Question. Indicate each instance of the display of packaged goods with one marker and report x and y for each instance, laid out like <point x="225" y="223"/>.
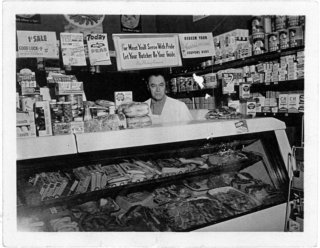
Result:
<point x="251" y="108"/>
<point x="68" y="87"/>
<point x="27" y="131"/>
<point x="43" y="118"/>
<point x="172" y="166"/>
<point x="244" y="91"/>
<point x="283" y="39"/>
<point x="259" y="103"/>
<point x="139" y="122"/>
<point x="223" y="113"/>
<point x="61" y="128"/>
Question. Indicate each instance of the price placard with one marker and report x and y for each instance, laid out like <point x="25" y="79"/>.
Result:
<point x="37" y="44"/>
<point x="145" y="51"/>
<point x="196" y="45"/>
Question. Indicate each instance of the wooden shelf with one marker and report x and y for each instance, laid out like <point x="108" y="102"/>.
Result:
<point x="242" y="62"/>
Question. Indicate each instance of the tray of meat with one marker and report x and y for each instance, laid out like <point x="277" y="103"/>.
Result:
<point x="234" y="199"/>
<point x="99" y="222"/>
<point x="183" y="215"/>
<point x="170" y="193"/>
<point x="226" y="158"/>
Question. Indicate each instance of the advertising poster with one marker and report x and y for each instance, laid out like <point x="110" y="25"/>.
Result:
<point x="98" y="49"/>
<point x="72" y="49"/>
<point x="146" y="51"/>
<point x="37" y="44"/>
<point x="196" y="45"/>
<point x="228" y="83"/>
<point x="130" y="23"/>
<point x="85" y="24"/>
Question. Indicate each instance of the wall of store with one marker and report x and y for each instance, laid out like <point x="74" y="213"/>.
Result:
<point x="102" y="85"/>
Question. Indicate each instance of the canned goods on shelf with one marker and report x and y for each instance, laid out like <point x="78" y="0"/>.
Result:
<point x="258" y="46"/>
<point x="258" y="36"/>
<point x="283" y="39"/>
<point x="257" y="25"/>
<point x="295" y="36"/>
<point x="273" y="41"/>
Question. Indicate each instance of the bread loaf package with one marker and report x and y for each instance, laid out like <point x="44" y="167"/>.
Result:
<point x="134" y="109"/>
<point x="139" y="122"/>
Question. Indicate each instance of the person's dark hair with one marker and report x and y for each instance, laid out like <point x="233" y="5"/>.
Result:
<point x="155" y="73"/>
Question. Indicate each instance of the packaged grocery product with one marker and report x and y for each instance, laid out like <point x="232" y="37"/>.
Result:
<point x="293" y="103"/>
<point x="43" y="118"/>
<point x="61" y="128"/>
<point x="283" y="103"/>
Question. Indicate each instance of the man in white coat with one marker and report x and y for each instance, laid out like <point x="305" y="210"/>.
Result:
<point x="162" y="108"/>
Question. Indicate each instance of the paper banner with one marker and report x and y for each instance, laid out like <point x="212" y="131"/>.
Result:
<point x="37" y="44"/>
<point x="98" y="49"/>
<point x="72" y="49"/>
<point x="145" y="51"/>
<point x="196" y="45"/>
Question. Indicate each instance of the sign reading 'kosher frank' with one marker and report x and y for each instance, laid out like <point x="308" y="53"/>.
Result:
<point x="145" y="51"/>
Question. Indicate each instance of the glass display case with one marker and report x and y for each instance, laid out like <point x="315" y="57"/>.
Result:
<point x="201" y="176"/>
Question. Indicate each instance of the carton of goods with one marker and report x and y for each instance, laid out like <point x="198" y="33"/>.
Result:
<point x="283" y="103"/>
<point x="43" y="118"/>
<point x="66" y="88"/>
<point x="259" y="103"/>
<point x="77" y="126"/>
<point x="26" y="131"/>
<point x="251" y="108"/>
<point x="235" y="105"/>
<point x="25" y="118"/>
<point x="293" y="103"/>
<point x="61" y="128"/>
<point x="122" y="97"/>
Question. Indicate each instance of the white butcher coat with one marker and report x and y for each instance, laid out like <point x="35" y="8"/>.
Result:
<point x="173" y="111"/>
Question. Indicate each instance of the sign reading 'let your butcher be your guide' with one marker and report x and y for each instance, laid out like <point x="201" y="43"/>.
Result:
<point x="143" y="51"/>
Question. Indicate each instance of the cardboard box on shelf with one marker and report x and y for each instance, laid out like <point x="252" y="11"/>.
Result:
<point x="283" y="103"/>
<point x="293" y="103"/>
<point x="25" y="118"/>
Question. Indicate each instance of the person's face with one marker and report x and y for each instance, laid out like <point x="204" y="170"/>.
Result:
<point x="157" y="86"/>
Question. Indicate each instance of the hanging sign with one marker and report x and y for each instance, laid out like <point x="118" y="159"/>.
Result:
<point x="228" y="83"/>
<point x="72" y="49"/>
<point x="32" y="19"/>
<point x="130" y="23"/>
<point x="196" y="45"/>
<point x="145" y="51"/>
<point x="98" y="49"/>
<point x="37" y="44"/>
<point x="85" y="24"/>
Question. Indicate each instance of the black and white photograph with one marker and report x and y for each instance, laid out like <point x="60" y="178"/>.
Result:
<point x="160" y="124"/>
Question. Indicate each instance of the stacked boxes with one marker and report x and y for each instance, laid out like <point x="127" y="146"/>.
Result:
<point x="25" y="125"/>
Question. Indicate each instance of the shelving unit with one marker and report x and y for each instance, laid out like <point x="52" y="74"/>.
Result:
<point x="242" y="62"/>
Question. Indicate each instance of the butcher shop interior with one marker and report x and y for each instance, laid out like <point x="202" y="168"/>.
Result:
<point x="160" y="123"/>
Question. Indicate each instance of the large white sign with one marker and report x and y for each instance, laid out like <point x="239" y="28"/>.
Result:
<point x="72" y="49"/>
<point x="98" y="49"/>
<point x="145" y="51"/>
<point x="196" y="45"/>
<point x="37" y="44"/>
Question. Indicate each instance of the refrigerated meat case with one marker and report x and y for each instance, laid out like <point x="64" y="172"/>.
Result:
<point x="212" y="176"/>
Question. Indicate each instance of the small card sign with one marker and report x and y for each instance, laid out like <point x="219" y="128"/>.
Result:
<point x="241" y="126"/>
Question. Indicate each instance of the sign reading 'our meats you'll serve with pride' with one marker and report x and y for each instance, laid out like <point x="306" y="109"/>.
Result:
<point x="37" y="44"/>
<point x="196" y="45"/>
<point x="145" y="51"/>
